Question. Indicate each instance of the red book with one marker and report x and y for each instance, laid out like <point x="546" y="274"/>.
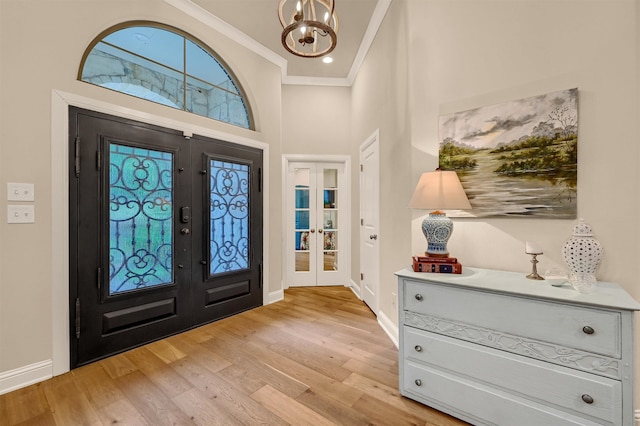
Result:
<point x="442" y="268"/>
<point x="433" y="259"/>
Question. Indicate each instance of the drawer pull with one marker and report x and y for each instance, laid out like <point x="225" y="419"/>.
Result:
<point x="588" y="330"/>
<point x="587" y="398"/>
<point x="418" y="348"/>
<point x="418" y="382"/>
<point x="418" y="296"/>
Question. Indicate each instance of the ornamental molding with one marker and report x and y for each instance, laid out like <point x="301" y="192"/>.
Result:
<point x="545" y="351"/>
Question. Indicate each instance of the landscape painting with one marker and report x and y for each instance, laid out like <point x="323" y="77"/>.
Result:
<point x="516" y="159"/>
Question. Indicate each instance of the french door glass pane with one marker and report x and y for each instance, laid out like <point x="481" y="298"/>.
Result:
<point x="229" y="217"/>
<point x="140" y="218"/>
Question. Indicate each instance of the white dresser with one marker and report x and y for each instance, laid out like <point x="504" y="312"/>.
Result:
<point x="494" y="348"/>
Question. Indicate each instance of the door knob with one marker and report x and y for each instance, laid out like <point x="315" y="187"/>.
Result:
<point x="319" y="231"/>
<point x="185" y="231"/>
<point x="373" y="237"/>
<point x="313" y="231"/>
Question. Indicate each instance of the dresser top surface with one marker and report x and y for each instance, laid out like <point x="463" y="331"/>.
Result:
<point x="607" y="294"/>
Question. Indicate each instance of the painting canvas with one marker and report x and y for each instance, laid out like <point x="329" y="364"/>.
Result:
<point x="516" y="159"/>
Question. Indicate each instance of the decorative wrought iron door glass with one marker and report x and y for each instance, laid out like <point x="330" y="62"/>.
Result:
<point x="229" y="217"/>
<point x="140" y="218"/>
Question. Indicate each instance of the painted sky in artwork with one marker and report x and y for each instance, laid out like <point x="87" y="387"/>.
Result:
<point x="492" y="125"/>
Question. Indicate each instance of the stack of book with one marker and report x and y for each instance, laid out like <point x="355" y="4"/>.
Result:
<point x="444" y="265"/>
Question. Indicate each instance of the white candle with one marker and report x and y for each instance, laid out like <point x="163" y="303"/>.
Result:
<point x="532" y="248"/>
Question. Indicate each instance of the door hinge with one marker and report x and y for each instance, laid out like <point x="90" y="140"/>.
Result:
<point x="260" y="278"/>
<point x="99" y="278"/>
<point x="99" y="160"/>
<point x="77" y="156"/>
<point x="259" y="179"/>
<point x="361" y="222"/>
<point x="362" y="167"/>
<point x="77" y="318"/>
<point x="361" y="276"/>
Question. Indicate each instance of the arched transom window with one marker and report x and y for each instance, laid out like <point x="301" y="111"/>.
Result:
<point x="165" y="65"/>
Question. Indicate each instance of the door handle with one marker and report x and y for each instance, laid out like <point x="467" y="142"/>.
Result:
<point x="373" y="237"/>
<point x="185" y="231"/>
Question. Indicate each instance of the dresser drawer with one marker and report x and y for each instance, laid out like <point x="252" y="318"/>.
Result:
<point x="591" y="330"/>
<point x="541" y="382"/>
<point x="479" y="403"/>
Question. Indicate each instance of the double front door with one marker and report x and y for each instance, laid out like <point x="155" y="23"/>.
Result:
<point x="165" y="232"/>
<point x="317" y="224"/>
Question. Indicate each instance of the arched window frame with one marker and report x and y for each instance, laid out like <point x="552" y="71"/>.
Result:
<point x="185" y="76"/>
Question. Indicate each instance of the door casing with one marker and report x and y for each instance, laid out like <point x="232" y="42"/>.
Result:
<point x="345" y="243"/>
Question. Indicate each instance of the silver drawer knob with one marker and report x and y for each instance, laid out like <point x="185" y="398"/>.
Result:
<point x="588" y="330"/>
<point x="418" y="382"/>
<point x="418" y="296"/>
<point x="418" y="348"/>
<point x="587" y="398"/>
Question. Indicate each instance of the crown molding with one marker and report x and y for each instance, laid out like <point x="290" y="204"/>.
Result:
<point x="198" y="13"/>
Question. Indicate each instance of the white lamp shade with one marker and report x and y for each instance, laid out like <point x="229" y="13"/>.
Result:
<point x="439" y="190"/>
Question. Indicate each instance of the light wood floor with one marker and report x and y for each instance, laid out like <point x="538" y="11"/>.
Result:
<point x="317" y="358"/>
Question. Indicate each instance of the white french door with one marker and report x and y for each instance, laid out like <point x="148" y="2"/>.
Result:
<point x="317" y="224"/>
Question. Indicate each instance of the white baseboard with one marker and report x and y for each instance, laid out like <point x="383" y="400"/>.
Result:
<point x="637" y="417"/>
<point x="24" y="376"/>
<point x="355" y="288"/>
<point x="275" y="296"/>
<point x="389" y="327"/>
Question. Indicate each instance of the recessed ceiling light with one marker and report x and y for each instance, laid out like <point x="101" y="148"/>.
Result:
<point x="327" y="59"/>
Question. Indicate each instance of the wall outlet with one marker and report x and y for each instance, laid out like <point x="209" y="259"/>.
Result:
<point x="21" y="192"/>
<point x="21" y="214"/>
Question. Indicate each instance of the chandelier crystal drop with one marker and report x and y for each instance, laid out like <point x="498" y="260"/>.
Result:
<point x="303" y="33"/>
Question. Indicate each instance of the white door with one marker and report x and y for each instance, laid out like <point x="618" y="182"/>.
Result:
<point x="370" y="222"/>
<point x="317" y="224"/>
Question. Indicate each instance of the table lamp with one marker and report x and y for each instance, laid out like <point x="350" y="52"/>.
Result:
<point x="435" y="191"/>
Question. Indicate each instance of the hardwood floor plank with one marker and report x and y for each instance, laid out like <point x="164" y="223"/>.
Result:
<point x="162" y="375"/>
<point x="118" y="365"/>
<point x="288" y="409"/>
<point x="72" y="407"/>
<point x="24" y="404"/>
<point x="150" y="401"/>
<point x="97" y="385"/>
<point x="203" y="411"/>
<point x="121" y="412"/>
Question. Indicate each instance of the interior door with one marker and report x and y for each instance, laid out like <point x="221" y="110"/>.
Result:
<point x="370" y="223"/>
<point x="316" y="225"/>
<point x="165" y="233"/>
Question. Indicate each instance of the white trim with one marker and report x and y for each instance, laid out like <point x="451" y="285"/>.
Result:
<point x="355" y="288"/>
<point x="198" y="13"/>
<point x="60" y="102"/>
<point x="374" y="25"/>
<point x="24" y="376"/>
<point x="276" y="296"/>
<point x="389" y="327"/>
<point x="637" y="417"/>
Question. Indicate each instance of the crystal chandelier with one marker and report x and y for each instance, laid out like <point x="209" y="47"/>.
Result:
<point x="303" y="34"/>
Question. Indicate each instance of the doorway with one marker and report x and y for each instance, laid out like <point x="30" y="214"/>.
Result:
<point x="165" y="232"/>
<point x="317" y="224"/>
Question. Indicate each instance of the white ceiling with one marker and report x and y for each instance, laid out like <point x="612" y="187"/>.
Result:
<point x="255" y="24"/>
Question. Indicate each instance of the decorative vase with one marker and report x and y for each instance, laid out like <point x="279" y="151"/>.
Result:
<point x="582" y="253"/>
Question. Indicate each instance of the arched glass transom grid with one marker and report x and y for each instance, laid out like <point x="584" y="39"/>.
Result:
<point x="140" y="218"/>
<point x="229" y="217"/>
<point x="164" y="65"/>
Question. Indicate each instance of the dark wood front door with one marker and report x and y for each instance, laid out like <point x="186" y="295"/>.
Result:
<point x="165" y="232"/>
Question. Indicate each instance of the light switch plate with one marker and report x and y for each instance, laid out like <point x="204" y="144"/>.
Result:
<point x="21" y="191"/>
<point x="21" y="214"/>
